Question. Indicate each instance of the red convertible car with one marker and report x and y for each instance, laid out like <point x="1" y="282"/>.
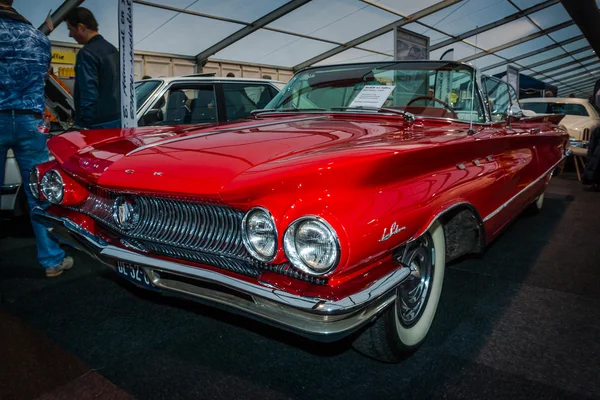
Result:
<point x="332" y="213"/>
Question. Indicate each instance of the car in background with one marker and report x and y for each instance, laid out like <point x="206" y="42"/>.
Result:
<point x="331" y="213"/>
<point x="581" y="118"/>
<point x="195" y="99"/>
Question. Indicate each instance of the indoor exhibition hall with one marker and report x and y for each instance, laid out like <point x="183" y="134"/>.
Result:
<point x="299" y="199"/>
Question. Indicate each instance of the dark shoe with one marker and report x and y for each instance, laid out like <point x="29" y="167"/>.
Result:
<point x="592" y="188"/>
<point x="66" y="263"/>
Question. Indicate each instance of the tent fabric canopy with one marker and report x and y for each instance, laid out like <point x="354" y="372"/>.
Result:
<point x="536" y="36"/>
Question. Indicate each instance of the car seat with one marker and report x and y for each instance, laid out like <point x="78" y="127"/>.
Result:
<point x="176" y="111"/>
<point x="200" y="110"/>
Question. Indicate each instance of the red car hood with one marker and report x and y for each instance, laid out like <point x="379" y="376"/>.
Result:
<point x="200" y="161"/>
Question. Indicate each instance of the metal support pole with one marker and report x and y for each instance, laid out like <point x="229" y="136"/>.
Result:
<point x="60" y="14"/>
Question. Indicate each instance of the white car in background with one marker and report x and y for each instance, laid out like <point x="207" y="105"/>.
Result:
<point x="581" y="118"/>
<point x="194" y="99"/>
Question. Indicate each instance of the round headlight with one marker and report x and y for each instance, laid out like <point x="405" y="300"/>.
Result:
<point x="34" y="185"/>
<point x="53" y="187"/>
<point x="312" y="245"/>
<point x="259" y="234"/>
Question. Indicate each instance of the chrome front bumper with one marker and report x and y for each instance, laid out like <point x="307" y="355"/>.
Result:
<point x="319" y="319"/>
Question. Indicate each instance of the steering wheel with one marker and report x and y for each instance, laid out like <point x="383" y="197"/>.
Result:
<point x="446" y="105"/>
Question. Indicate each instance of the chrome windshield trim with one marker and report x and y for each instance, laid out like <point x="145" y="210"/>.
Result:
<point x="503" y="206"/>
<point x="237" y="128"/>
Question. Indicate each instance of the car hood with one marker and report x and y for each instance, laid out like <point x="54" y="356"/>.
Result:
<point x="576" y="121"/>
<point x="576" y="124"/>
<point x="201" y="161"/>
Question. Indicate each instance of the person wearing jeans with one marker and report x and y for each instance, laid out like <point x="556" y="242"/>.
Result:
<point x="24" y="60"/>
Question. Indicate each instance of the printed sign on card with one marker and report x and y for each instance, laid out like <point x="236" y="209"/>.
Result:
<point x="372" y="96"/>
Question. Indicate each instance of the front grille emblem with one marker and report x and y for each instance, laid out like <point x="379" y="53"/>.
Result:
<point x="126" y="213"/>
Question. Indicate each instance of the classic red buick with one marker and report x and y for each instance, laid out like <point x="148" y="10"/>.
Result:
<point x="332" y="213"/>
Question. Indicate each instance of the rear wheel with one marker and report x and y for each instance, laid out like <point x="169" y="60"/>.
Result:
<point x="403" y="327"/>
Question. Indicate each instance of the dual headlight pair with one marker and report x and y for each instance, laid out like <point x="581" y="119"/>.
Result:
<point x="52" y="185"/>
<point x="310" y="242"/>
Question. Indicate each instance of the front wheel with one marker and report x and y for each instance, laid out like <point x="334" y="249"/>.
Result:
<point x="403" y="327"/>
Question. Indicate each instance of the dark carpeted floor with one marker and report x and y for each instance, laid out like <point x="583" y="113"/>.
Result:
<point x="521" y="321"/>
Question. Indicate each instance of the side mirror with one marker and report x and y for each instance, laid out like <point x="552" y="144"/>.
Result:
<point x="513" y="112"/>
<point x="152" y="117"/>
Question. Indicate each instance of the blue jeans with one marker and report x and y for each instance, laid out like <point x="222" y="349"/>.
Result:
<point x="19" y="133"/>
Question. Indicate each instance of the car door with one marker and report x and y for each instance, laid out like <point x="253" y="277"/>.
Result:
<point x="241" y="98"/>
<point x="517" y="153"/>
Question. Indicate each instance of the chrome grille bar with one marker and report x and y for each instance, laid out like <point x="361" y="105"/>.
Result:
<point x="205" y="233"/>
<point x="198" y="227"/>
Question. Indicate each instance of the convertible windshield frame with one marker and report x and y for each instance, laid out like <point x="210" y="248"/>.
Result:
<point x="465" y="103"/>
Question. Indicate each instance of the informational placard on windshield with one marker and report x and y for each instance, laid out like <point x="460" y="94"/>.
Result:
<point x="372" y="96"/>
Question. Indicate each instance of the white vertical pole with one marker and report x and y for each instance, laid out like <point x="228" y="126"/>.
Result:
<point x="128" y="105"/>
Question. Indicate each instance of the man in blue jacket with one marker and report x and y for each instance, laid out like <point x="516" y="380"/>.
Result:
<point x="24" y="59"/>
<point x="97" y="97"/>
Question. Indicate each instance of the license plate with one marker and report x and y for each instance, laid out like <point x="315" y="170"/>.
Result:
<point x="134" y="273"/>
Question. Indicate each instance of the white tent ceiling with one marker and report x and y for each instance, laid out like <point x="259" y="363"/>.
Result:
<point x="536" y="36"/>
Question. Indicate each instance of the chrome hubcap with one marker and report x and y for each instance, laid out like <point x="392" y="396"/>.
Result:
<point x="414" y="292"/>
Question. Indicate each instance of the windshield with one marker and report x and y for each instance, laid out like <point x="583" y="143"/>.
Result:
<point x="143" y="90"/>
<point x="434" y="89"/>
<point x="556" y="108"/>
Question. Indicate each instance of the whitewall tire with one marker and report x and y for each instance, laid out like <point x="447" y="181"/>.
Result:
<point x="403" y="327"/>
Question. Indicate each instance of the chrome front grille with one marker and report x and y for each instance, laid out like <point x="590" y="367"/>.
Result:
<point x="208" y="228"/>
<point x="231" y="264"/>
<point x="209" y="234"/>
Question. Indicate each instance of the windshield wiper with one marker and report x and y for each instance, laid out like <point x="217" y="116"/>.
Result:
<point x="408" y="117"/>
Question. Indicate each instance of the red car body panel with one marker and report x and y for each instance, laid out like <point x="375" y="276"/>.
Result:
<point x="365" y="175"/>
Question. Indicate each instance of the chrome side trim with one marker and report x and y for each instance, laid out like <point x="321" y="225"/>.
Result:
<point x="238" y="128"/>
<point x="503" y="206"/>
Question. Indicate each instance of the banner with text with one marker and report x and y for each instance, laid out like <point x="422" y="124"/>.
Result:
<point x="128" y="106"/>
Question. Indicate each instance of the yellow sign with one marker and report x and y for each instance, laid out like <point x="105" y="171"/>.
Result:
<point x="63" y="57"/>
<point x="66" y="72"/>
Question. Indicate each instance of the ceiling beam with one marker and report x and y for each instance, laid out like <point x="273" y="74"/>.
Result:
<point x="555" y="67"/>
<point x="60" y="14"/>
<point x="378" y="32"/>
<point x="495" y="24"/>
<point x="536" y="52"/>
<point x="569" y="79"/>
<point x="584" y="82"/>
<point x="233" y="21"/>
<point x="581" y="75"/>
<point x="559" y="57"/>
<point x="519" y="41"/>
<point x="582" y="86"/>
<point x="248" y="29"/>
<point x="243" y="23"/>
